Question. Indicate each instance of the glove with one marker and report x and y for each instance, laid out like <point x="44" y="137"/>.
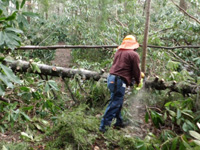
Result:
<point x="142" y="75"/>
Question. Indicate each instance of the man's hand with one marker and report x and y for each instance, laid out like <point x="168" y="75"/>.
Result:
<point x="142" y="75"/>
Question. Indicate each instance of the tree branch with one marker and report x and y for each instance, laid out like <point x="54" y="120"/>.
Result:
<point x="97" y="46"/>
<point x="161" y="31"/>
<point x="8" y="101"/>
<point x="70" y="91"/>
<point x="183" y="61"/>
<point x="4" y="100"/>
<point x="186" y="12"/>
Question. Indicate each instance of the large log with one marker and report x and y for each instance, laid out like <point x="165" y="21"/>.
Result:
<point x="182" y="87"/>
<point x="24" y="66"/>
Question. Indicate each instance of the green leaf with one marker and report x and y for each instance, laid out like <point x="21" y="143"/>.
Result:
<point x="22" y="4"/>
<point x="29" y="14"/>
<point x="25" y="89"/>
<point x="11" y="40"/>
<point x="22" y="20"/>
<point x="35" y="68"/>
<point x="13" y="37"/>
<point x="174" y="143"/>
<point x="12" y="17"/>
<point x="27" y="108"/>
<point x="198" y="125"/>
<point x="26" y="135"/>
<point x="168" y="104"/>
<point x="25" y="116"/>
<point x="47" y="88"/>
<point x="39" y="127"/>
<point x="146" y="117"/>
<point x="185" y="127"/>
<point x="1" y="91"/>
<point x="178" y="114"/>
<point x="53" y="85"/>
<point x="1" y="58"/>
<point x="11" y="76"/>
<point x="4" y="148"/>
<point x="195" y="134"/>
<point x="2" y="18"/>
<point x="2" y="40"/>
<point x="17" y="5"/>
<point x="14" y="30"/>
<point x="6" y="81"/>
<point x="186" y="112"/>
<point x="196" y="142"/>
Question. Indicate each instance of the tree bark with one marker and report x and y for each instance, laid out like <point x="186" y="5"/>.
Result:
<point x="183" y="4"/>
<point x="46" y="15"/>
<point x="98" y="46"/>
<point x="29" y="3"/>
<point x="146" y="35"/>
<point x="24" y="66"/>
<point x="184" y="88"/>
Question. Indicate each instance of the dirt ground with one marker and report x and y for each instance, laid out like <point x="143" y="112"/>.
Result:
<point x="62" y="57"/>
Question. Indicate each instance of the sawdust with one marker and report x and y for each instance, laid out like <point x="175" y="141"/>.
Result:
<point x="136" y="111"/>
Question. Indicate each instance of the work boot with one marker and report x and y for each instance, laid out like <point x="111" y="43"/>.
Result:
<point x="122" y="125"/>
<point x="102" y="130"/>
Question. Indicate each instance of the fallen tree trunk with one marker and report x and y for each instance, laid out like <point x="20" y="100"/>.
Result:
<point x="184" y="88"/>
<point x="24" y="66"/>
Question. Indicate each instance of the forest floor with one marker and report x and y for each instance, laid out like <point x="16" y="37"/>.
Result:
<point x="135" y="109"/>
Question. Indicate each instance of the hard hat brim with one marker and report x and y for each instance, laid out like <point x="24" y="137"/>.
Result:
<point x="129" y="45"/>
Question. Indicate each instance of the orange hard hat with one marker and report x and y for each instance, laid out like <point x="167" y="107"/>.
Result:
<point x="129" y="42"/>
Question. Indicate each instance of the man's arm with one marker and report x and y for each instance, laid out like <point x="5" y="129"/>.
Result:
<point x="136" y="69"/>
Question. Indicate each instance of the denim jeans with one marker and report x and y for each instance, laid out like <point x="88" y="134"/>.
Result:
<point x="113" y="109"/>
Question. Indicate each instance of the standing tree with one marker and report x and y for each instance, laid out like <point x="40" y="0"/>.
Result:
<point x="183" y="4"/>
<point x="146" y="35"/>
<point x="29" y="7"/>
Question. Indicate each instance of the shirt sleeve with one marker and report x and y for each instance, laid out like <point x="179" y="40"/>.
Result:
<point x="136" y="73"/>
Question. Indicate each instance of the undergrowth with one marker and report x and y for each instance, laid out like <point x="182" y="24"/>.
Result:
<point x="73" y="129"/>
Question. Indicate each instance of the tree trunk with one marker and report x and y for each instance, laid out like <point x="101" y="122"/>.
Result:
<point x="184" y="88"/>
<point x="46" y="15"/>
<point x="183" y="4"/>
<point x="146" y="35"/>
<point x="24" y="66"/>
<point x="29" y="3"/>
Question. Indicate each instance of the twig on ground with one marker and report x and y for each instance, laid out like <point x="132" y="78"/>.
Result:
<point x="70" y="91"/>
<point x="79" y="84"/>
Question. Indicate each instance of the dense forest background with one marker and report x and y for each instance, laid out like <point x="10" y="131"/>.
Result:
<point x="38" y="111"/>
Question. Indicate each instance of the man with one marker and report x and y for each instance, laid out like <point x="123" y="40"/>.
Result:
<point x="124" y="69"/>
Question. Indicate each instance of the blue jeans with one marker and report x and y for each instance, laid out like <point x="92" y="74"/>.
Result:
<point x="113" y="109"/>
